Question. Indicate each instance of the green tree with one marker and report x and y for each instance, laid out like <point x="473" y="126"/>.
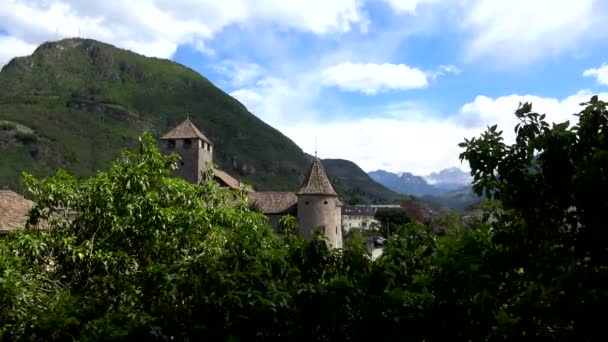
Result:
<point x="391" y="219"/>
<point x="549" y="233"/>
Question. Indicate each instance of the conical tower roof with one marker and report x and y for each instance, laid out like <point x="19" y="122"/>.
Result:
<point x="316" y="181"/>
<point x="186" y="130"/>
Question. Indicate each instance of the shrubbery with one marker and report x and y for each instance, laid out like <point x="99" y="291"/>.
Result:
<point x="151" y="257"/>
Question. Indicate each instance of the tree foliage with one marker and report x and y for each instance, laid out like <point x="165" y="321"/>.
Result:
<point x="148" y="256"/>
<point x="391" y="219"/>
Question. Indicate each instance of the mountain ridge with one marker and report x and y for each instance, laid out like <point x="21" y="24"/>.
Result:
<point x="451" y="187"/>
<point x="75" y="103"/>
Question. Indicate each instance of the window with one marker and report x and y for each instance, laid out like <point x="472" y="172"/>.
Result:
<point x="187" y="143"/>
<point x="306" y="202"/>
<point x="171" y="144"/>
<point x="336" y="230"/>
<point x="325" y="202"/>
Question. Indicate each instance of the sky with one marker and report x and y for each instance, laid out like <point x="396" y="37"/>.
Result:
<point x="388" y="84"/>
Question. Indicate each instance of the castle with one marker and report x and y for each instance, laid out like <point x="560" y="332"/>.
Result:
<point x="315" y="205"/>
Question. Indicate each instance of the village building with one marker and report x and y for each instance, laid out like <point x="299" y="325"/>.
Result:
<point x="315" y="205"/>
<point x="359" y="217"/>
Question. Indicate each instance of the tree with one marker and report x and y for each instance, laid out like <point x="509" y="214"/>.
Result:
<point x="549" y="235"/>
<point x="148" y="256"/>
<point x="391" y="219"/>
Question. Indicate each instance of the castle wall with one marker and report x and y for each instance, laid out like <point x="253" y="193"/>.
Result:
<point x="320" y="211"/>
<point x="193" y="157"/>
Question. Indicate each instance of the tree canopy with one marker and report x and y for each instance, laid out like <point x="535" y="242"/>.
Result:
<point x="144" y="255"/>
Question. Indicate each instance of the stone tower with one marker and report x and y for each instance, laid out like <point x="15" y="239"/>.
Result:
<point x="319" y="206"/>
<point x="194" y="148"/>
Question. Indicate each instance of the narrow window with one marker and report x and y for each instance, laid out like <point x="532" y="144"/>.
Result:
<point x="306" y="202"/>
<point x="325" y="202"/>
<point x="187" y="143"/>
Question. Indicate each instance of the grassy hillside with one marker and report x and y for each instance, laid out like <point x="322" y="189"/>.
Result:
<point x="76" y="103"/>
<point x="85" y="100"/>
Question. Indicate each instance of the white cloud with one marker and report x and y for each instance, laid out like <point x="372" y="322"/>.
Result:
<point x="157" y="27"/>
<point x="280" y="102"/>
<point x="407" y="6"/>
<point x="374" y="78"/>
<point x="443" y="70"/>
<point x="404" y="136"/>
<point x="12" y="47"/>
<point x="600" y="74"/>
<point x="240" y="73"/>
<point x="523" y="31"/>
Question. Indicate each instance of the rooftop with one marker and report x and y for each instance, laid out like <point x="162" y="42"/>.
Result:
<point x="271" y="202"/>
<point x="186" y="130"/>
<point x="14" y="210"/>
<point x="316" y="182"/>
<point x="226" y="179"/>
<point x="359" y="210"/>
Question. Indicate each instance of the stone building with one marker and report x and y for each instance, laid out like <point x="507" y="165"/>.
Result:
<point x="196" y="153"/>
<point x="319" y="206"/>
<point x="315" y="205"/>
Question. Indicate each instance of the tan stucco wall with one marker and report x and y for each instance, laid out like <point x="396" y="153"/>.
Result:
<point x="318" y="211"/>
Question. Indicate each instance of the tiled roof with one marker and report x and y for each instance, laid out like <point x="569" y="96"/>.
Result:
<point x="14" y="210"/>
<point x="226" y="178"/>
<point x="186" y="130"/>
<point x="273" y="202"/>
<point x="358" y="210"/>
<point x="316" y="182"/>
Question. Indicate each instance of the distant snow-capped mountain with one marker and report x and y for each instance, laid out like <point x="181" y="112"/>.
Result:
<point x="451" y="187"/>
<point x="449" y="179"/>
<point x="432" y="184"/>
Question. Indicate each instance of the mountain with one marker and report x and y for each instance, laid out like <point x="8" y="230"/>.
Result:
<point x="357" y="187"/>
<point x="75" y="103"/>
<point x="449" y="179"/>
<point x="460" y="199"/>
<point x="404" y="183"/>
<point x="448" y="187"/>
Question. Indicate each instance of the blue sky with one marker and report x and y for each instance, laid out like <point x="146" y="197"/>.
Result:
<point x="391" y="84"/>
